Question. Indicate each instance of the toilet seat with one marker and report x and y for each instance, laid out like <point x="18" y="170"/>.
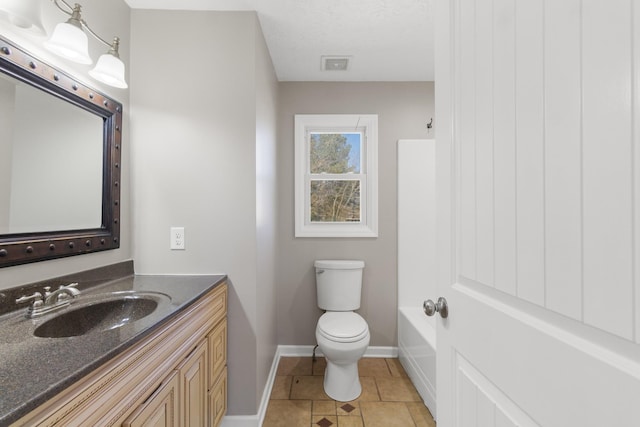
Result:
<point x="342" y="326"/>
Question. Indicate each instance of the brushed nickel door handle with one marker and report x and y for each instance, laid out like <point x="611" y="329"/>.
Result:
<point x="430" y="308"/>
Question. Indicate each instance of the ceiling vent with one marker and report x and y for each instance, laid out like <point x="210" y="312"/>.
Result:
<point x="335" y="63"/>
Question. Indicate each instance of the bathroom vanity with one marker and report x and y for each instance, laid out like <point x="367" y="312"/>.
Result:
<point x="98" y="348"/>
<point x="167" y="367"/>
<point x="103" y="347"/>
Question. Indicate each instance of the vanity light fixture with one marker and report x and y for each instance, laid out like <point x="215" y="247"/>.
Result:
<point x="110" y="69"/>
<point x="70" y="41"/>
<point x="24" y="14"/>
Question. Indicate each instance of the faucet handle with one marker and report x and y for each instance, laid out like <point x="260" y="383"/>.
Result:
<point x="36" y="297"/>
<point x="70" y="291"/>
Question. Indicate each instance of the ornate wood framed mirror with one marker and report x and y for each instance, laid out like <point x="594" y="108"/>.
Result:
<point x="60" y="151"/>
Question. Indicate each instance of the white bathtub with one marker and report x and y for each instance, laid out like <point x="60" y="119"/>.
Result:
<point x="417" y="352"/>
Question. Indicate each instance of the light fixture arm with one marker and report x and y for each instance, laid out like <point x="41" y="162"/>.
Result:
<point x="76" y="19"/>
<point x="84" y="24"/>
<point x="68" y="12"/>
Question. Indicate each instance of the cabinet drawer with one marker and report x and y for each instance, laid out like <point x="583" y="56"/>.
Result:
<point x="217" y="340"/>
<point x="218" y="400"/>
<point x="161" y="408"/>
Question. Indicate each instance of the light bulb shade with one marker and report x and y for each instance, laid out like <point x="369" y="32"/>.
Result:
<point x="24" y="14"/>
<point x="70" y="42"/>
<point x="109" y="70"/>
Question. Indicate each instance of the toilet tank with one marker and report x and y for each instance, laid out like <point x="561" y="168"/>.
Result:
<point x="339" y="284"/>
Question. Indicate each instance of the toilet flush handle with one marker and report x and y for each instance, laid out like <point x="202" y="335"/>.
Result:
<point x="430" y="308"/>
<point x="319" y="271"/>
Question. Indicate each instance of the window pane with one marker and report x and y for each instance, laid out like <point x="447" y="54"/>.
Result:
<point x="335" y="152"/>
<point x="335" y="201"/>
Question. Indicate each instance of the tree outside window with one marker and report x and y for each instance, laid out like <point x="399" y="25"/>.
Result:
<point x="335" y="200"/>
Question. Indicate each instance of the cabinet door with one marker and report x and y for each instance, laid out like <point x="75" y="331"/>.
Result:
<point x="160" y="409"/>
<point x="193" y="387"/>
<point x="218" y="399"/>
<point x="217" y="339"/>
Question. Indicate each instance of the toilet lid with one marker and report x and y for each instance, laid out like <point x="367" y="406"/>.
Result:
<point x="342" y="326"/>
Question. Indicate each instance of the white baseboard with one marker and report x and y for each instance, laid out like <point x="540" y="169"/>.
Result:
<point x="296" y="351"/>
<point x="307" y="350"/>
<point x="240" y="421"/>
<point x="390" y="352"/>
<point x="290" y="351"/>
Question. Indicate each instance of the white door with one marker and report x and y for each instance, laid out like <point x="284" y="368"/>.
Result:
<point x="538" y="200"/>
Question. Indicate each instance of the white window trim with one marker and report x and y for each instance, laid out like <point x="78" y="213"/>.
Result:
<point x="369" y="194"/>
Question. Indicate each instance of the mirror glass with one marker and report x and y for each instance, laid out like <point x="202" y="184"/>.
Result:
<point x="60" y="150"/>
<point x="50" y="162"/>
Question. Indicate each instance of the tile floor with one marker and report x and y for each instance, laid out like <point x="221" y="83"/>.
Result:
<point x="388" y="397"/>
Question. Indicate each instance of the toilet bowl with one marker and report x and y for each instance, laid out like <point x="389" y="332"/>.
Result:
<point x="343" y="338"/>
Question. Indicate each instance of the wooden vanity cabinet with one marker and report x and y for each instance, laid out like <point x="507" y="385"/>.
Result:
<point x="175" y="377"/>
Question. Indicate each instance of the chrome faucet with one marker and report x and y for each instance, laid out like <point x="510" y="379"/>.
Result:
<point x="50" y="301"/>
<point x="63" y="293"/>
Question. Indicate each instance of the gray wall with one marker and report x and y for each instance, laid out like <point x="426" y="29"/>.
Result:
<point x="107" y="19"/>
<point x="203" y="95"/>
<point x="266" y="209"/>
<point x="403" y="111"/>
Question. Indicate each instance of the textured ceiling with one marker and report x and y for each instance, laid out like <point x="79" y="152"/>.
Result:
<point x="387" y="40"/>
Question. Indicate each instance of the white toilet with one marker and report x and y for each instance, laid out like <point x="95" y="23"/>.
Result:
<point x="342" y="335"/>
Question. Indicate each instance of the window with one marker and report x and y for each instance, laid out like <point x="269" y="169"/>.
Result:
<point x="336" y="180"/>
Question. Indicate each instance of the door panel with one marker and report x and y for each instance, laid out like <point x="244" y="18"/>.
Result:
<point x="607" y="163"/>
<point x="562" y="159"/>
<point x="484" y="159"/>
<point x="529" y="151"/>
<point x="481" y="403"/>
<point x="557" y="377"/>
<point x="504" y="151"/>
<point x="537" y="212"/>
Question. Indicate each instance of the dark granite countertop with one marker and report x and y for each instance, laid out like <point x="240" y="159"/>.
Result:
<point x="32" y="369"/>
